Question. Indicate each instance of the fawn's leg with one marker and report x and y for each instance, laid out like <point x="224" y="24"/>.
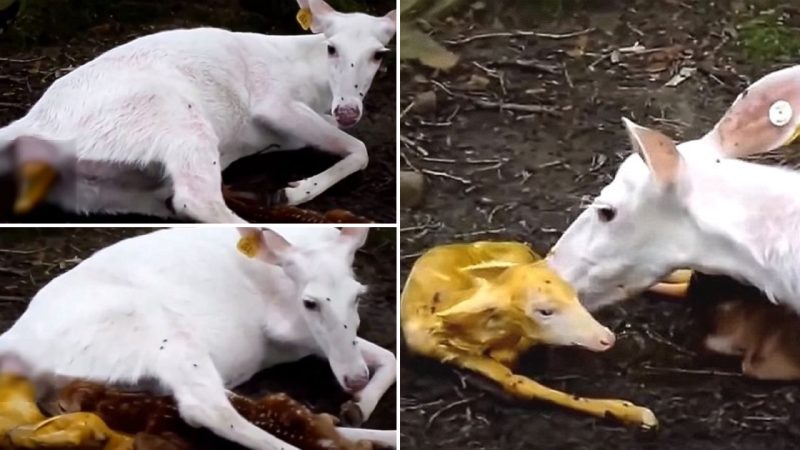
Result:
<point x="523" y="387"/>
<point x="675" y="285"/>
<point x="203" y="402"/>
<point x="297" y="119"/>
<point x="76" y="430"/>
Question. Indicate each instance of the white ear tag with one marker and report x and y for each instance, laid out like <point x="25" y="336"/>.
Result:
<point x="780" y="113"/>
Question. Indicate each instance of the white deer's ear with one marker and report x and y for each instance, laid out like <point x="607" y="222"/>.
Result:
<point x="764" y="117"/>
<point x="265" y="245"/>
<point x="354" y="237"/>
<point x="303" y="4"/>
<point x="321" y="14"/>
<point x="658" y="151"/>
<point x="388" y="27"/>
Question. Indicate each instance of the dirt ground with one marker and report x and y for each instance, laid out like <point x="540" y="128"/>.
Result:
<point x="522" y="174"/>
<point x="25" y="73"/>
<point x="30" y="258"/>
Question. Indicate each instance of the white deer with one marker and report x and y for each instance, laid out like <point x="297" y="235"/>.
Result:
<point x="695" y="206"/>
<point x="148" y="126"/>
<point x="185" y="309"/>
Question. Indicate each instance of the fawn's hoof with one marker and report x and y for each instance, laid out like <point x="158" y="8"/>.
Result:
<point x="649" y="420"/>
<point x="351" y="414"/>
<point x="279" y="198"/>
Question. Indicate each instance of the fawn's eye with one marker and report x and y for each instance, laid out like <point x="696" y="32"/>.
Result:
<point x="310" y="305"/>
<point x="606" y="213"/>
<point x="544" y="312"/>
<point x="331" y="50"/>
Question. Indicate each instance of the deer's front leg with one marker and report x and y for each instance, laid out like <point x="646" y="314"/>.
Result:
<point x="383" y="365"/>
<point x="298" y="120"/>
<point x="523" y="387"/>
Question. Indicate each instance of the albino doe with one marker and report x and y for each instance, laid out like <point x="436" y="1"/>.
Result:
<point x="182" y="311"/>
<point x="695" y="206"/>
<point x="149" y="126"/>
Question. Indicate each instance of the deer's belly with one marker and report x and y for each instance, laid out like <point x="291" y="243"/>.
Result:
<point x="251" y="139"/>
<point x="101" y="186"/>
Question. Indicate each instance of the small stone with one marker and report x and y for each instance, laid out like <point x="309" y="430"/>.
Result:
<point x="412" y="188"/>
<point x="477" y="83"/>
<point x="425" y="102"/>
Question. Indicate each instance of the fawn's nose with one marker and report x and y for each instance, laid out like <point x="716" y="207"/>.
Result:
<point x="347" y="115"/>
<point x="356" y="383"/>
<point x="606" y="340"/>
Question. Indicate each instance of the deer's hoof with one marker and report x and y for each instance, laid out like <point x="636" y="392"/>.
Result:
<point x="351" y="414"/>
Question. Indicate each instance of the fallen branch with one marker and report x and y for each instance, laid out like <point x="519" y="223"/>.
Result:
<point x="519" y="33"/>
<point x="515" y="106"/>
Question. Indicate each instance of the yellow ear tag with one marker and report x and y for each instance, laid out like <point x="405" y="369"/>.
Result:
<point x="248" y="246"/>
<point x="304" y="18"/>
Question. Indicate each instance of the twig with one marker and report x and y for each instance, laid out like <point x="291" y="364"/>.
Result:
<point x="519" y="33"/>
<point x="478" y="233"/>
<point x="20" y="252"/>
<point x="443" y="87"/>
<point x="22" y="61"/>
<point x="12" y="299"/>
<point x="446" y="175"/>
<point x="691" y="371"/>
<point x="11" y="271"/>
<point x="406" y="110"/>
<point x="414" y="146"/>
<point x="447" y="408"/>
<point x="12" y="105"/>
<point x="516" y="106"/>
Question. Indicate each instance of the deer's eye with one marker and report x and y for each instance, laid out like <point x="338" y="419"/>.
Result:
<point x="310" y="305"/>
<point x="606" y="213"/>
<point x="378" y="56"/>
<point x="544" y="312"/>
<point x="331" y="50"/>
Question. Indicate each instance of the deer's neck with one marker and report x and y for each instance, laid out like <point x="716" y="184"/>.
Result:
<point x="296" y="66"/>
<point x="749" y="216"/>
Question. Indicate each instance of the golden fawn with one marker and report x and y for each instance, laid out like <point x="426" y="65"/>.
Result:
<point x="479" y="306"/>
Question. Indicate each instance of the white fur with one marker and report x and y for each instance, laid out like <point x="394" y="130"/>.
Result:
<point x="184" y="308"/>
<point x="721" y="216"/>
<point x="190" y="102"/>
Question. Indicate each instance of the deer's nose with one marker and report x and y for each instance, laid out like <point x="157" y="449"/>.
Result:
<point x="356" y="383"/>
<point x="347" y="115"/>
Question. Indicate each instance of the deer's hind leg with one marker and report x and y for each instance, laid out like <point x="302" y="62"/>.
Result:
<point x="525" y="388"/>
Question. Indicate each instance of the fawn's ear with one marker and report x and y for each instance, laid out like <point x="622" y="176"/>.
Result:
<point x="353" y="237"/>
<point x="658" y="151"/>
<point x="472" y="310"/>
<point x="265" y="245"/>
<point x="764" y="117"/>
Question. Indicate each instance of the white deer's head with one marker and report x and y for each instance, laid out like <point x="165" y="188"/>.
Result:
<point x="689" y="206"/>
<point x="356" y="46"/>
<point x="329" y="294"/>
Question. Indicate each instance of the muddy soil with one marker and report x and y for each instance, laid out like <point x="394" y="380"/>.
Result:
<point x="522" y="173"/>
<point x="30" y="258"/>
<point x="25" y="73"/>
